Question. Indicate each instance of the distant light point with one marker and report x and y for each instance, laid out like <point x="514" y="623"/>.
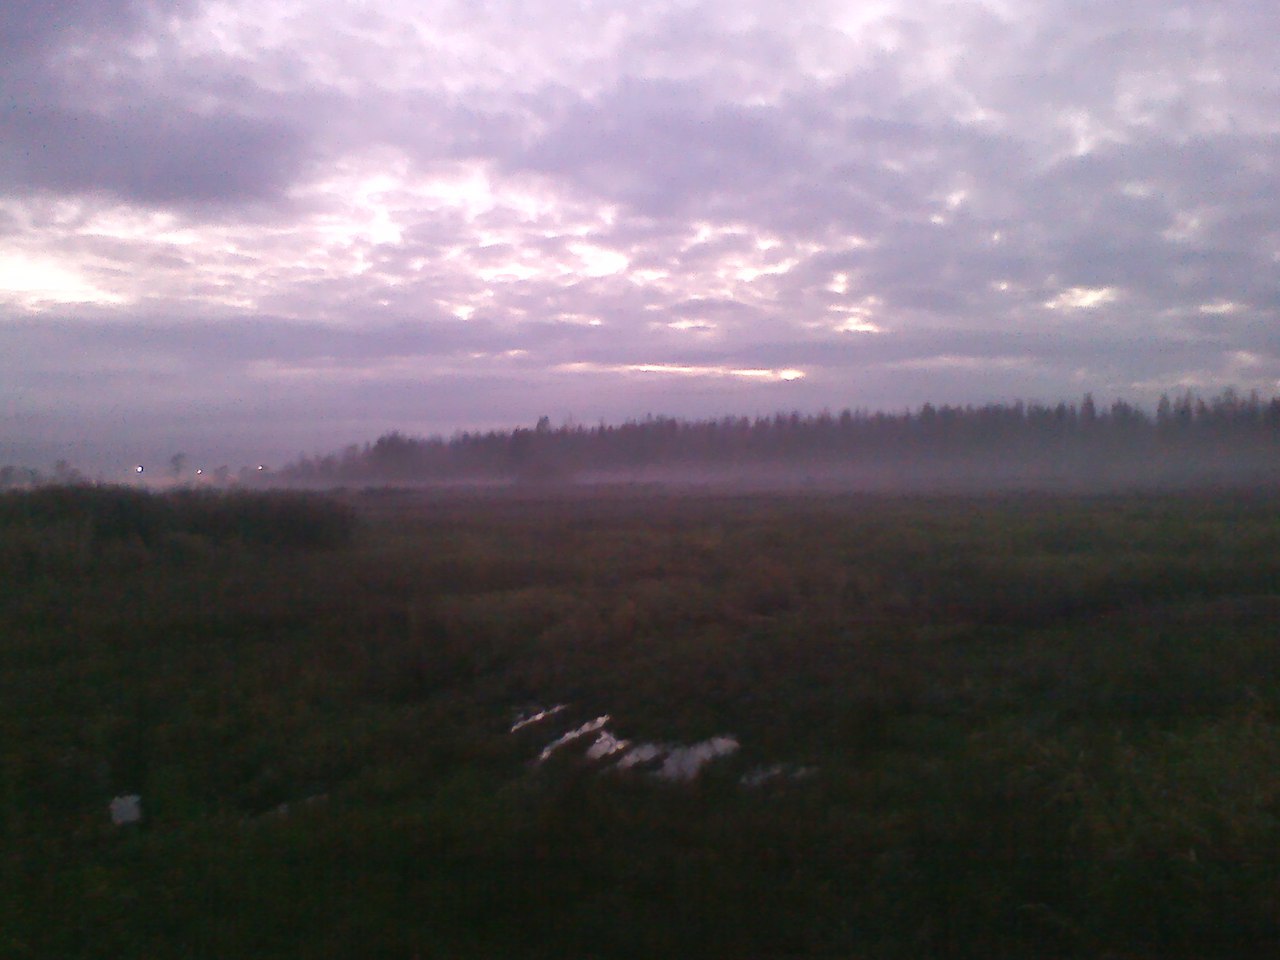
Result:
<point x="138" y="468"/>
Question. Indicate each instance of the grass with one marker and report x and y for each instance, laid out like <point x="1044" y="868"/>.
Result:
<point x="1041" y="726"/>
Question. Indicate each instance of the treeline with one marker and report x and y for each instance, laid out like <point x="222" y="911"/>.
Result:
<point x="1186" y="435"/>
<point x="63" y="474"/>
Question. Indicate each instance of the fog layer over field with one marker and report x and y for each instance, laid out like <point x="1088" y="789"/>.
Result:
<point x="1189" y="441"/>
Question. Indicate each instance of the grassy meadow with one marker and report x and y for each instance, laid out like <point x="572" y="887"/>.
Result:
<point x="1028" y="725"/>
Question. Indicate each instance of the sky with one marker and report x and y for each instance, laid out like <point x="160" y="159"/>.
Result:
<point x="250" y="229"/>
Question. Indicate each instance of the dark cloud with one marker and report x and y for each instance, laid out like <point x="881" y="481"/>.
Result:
<point x="206" y="348"/>
<point x="31" y="29"/>
<point x="660" y="148"/>
<point x="148" y="154"/>
<point x="90" y="126"/>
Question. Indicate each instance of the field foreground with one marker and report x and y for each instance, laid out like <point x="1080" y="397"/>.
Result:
<point x="1020" y="726"/>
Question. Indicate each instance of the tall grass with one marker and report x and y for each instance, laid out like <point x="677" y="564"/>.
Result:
<point x="1041" y="726"/>
<point x="64" y="528"/>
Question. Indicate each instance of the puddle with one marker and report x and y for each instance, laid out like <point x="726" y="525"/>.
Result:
<point x="667" y="761"/>
<point x="678" y="762"/>
<point x="638" y="756"/>
<point x="606" y="745"/>
<point x="538" y="717"/>
<point x="591" y="726"/>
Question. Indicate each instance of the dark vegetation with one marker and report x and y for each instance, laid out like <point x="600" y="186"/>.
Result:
<point x="1189" y="441"/>
<point x="1042" y="726"/>
<point x="62" y="529"/>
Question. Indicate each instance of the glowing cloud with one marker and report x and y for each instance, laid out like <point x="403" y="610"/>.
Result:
<point x="685" y="370"/>
<point x="1081" y="298"/>
<point x="36" y="283"/>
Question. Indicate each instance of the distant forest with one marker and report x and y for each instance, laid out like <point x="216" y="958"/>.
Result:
<point x="1229" y="438"/>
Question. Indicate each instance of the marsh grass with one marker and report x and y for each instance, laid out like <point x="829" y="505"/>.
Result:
<point x="1043" y="726"/>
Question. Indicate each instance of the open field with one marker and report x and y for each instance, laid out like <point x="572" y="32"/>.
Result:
<point x="1022" y="726"/>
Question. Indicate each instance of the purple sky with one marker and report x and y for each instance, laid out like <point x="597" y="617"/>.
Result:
<point x="245" y="230"/>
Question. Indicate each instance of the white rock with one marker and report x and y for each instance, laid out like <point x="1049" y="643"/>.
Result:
<point x="126" y="809"/>
<point x="684" y="763"/>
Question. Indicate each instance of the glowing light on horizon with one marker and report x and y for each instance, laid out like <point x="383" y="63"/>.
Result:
<point x="1081" y="298"/>
<point x="786" y="374"/>
<point x="1220" y="307"/>
<point x="1244" y="358"/>
<point x="858" y="316"/>
<point x="857" y="325"/>
<point x="33" y="282"/>
<point x="950" y="361"/>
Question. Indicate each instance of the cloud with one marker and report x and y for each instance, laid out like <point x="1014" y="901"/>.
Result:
<point x="148" y="155"/>
<point x="92" y="113"/>
<point x="403" y="207"/>
<point x="660" y="149"/>
<point x="30" y="29"/>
